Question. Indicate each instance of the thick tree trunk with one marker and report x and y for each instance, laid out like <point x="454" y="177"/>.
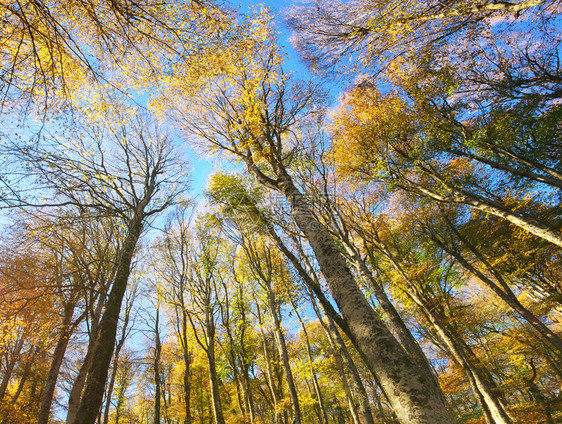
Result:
<point x="410" y="387"/>
<point x="104" y="343"/>
<point x="404" y="335"/>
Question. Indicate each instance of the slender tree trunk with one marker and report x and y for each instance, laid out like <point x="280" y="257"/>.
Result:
<point x="485" y="205"/>
<point x="504" y="292"/>
<point x="230" y="354"/>
<point x="246" y="383"/>
<point x="31" y="358"/>
<point x="181" y="328"/>
<point x="80" y="381"/>
<point x="187" y="360"/>
<point x="58" y="357"/>
<point x="323" y="416"/>
<point x="213" y="376"/>
<point x="481" y="381"/>
<point x="110" y="388"/>
<point x="321" y="405"/>
<point x="187" y="389"/>
<point x="115" y="367"/>
<point x="156" y="366"/>
<point x="491" y="405"/>
<point x="270" y="379"/>
<point x="283" y="354"/>
<point x="10" y="367"/>
<point x="410" y="387"/>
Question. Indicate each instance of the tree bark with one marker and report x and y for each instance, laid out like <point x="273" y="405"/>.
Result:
<point x="411" y="388"/>
<point x="341" y="353"/>
<point x="104" y="343"/>
<point x="213" y="376"/>
<point x="283" y="354"/>
<point x="58" y="357"/>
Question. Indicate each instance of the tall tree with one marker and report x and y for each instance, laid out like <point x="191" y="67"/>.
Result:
<point x="126" y="171"/>
<point x="254" y="116"/>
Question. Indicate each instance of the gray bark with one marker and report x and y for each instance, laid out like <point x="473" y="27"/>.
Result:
<point x="411" y="388"/>
<point x="283" y="354"/>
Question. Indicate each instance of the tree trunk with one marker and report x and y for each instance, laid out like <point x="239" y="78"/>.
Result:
<point x="492" y="407"/>
<point x="80" y="381"/>
<point x="31" y="358"/>
<point x="481" y="381"/>
<point x="494" y="208"/>
<point x="410" y="387"/>
<point x="270" y="379"/>
<point x="341" y="353"/>
<point x="181" y="317"/>
<point x="504" y="292"/>
<point x="213" y="376"/>
<point x="156" y="366"/>
<point x="58" y="357"/>
<point x="246" y="383"/>
<point x="104" y="343"/>
<point x="283" y="354"/>
<point x="404" y="334"/>
<point x="323" y="416"/>
<point x="10" y="367"/>
<point x="118" y="348"/>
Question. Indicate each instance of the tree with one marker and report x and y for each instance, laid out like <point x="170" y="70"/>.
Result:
<point x="195" y="267"/>
<point x="174" y="251"/>
<point x="255" y="116"/>
<point x="268" y="271"/>
<point x="409" y="147"/>
<point x="53" y="49"/>
<point x="376" y="33"/>
<point x="126" y="171"/>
